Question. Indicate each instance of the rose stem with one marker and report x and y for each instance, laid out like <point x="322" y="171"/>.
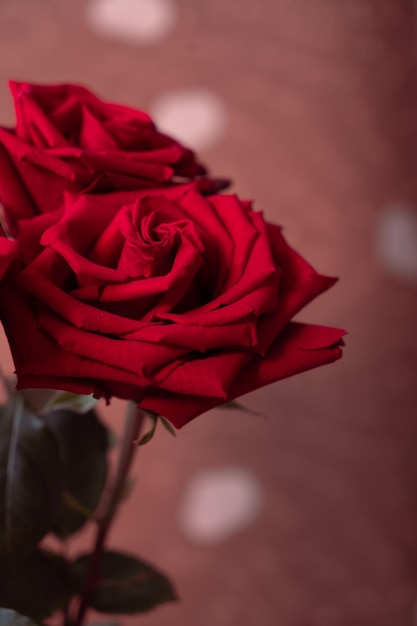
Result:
<point x="133" y="424"/>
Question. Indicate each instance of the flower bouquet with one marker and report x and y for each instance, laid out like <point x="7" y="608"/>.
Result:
<point x="124" y="273"/>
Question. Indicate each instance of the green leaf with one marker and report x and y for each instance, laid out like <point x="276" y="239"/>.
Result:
<point x="11" y="618"/>
<point x="76" y="402"/>
<point x="146" y="438"/>
<point x="30" y="480"/>
<point x="232" y="405"/>
<point x="168" y="426"/>
<point x="40" y="587"/>
<point x="83" y="443"/>
<point x="43" y="401"/>
<point x="154" y="418"/>
<point x="126" y="585"/>
<point x="237" y="406"/>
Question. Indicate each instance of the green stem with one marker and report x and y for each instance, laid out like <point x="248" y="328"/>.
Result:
<point x="134" y="420"/>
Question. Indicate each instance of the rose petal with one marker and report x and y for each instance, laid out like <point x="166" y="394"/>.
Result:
<point x="300" y="348"/>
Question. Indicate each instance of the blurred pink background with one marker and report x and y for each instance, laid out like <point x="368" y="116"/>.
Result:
<point x="311" y="107"/>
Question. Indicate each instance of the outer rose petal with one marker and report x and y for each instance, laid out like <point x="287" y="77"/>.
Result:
<point x="13" y="194"/>
<point x="299" y="348"/>
<point x="7" y="248"/>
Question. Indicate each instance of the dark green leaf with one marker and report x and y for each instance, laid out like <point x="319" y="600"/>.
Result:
<point x="10" y="618"/>
<point x="41" y="586"/>
<point x="72" y="503"/>
<point x="126" y="585"/>
<point x="83" y="442"/>
<point x="30" y="480"/>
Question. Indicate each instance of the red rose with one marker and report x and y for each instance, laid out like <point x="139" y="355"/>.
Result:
<point x="7" y="249"/>
<point x="176" y="301"/>
<point x="66" y="139"/>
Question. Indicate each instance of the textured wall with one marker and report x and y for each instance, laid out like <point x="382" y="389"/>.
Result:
<point x="310" y="105"/>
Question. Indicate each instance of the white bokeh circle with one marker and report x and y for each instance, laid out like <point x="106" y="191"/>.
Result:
<point x="396" y="241"/>
<point x="132" y="21"/>
<point x="218" y="503"/>
<point x="197" y="117"/>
